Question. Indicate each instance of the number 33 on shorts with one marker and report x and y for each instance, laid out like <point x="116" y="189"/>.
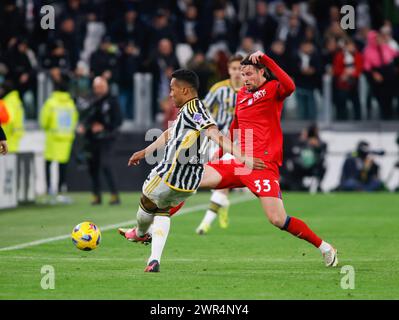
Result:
<point x="267" y="187"/>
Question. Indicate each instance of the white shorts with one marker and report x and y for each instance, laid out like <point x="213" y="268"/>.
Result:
<point x="159" y="192"/>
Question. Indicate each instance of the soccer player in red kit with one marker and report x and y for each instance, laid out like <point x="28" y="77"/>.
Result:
<point x="257" y="120"/>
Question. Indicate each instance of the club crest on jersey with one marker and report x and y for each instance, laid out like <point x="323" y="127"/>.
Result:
<point x="259" y="94"/>
<point x="250" y="101"/>
<point x="197" y="117"/>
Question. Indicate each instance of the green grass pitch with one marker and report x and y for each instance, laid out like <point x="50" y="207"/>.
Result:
<point x="249" y="260"/>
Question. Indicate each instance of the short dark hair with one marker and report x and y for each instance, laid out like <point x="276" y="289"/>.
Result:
<point x="247" y="62"/>
<point x="187" y="76"/>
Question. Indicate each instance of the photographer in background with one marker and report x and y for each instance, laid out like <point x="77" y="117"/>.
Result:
<point x="308" y="159"/>
<point x="360" y="172"/>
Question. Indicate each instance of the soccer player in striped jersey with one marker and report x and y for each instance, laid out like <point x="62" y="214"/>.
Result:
<point x="180" y="172"/>
<point x="221" y="102"/>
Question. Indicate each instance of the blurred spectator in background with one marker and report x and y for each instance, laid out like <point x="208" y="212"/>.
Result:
<point x="347" y="67"/>
<point x="263" y="26"/>
<point x="58" y="119"/>
<point x="381" y="74"/>
<point x="71" y="38"/>
<point x="308" y="160"/>
<point x="80" y="87"/>
<point x="14" y="128"/>
<point x="11" y="22"/>
<point x="279" y="54"/>
<point x="161" y="28"/>
<point x="57" y="57"/>
<point x="99" y="124"/>
<point x="190" y="28"/>
<point x="222" y="30"/>
<point x="307" y="75"/>
<point x="22" y="62"/>
<point x="22" y="66"/>
<point x="205" y="71"/>
<point x="293" y="34"/>
<point x="161" y="64"/>
<point x="386" y="36"/>
<point x="129" y="64"/>
<point x="248" y="46"/>
<point x="328" y="53"/>
<point x="360" y="172"/>
<point x="128" y="28"/>
<point x="104" y="61"/>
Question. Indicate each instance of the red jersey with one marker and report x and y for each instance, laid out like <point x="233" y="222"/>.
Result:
<point x="258" y="113"/>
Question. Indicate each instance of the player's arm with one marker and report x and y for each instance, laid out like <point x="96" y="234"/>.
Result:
<point x="227" y="145"/>
<point x="287" y="85"/>
<point x="160" y="142"/>
<point x="220" y="152"/>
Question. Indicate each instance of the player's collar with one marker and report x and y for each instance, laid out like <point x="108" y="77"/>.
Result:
<point x="185" y="103"/>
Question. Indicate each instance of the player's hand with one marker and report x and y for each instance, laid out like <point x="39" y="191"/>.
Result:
<point x="3" y="147"/>
<point x="256" y="56"/>
<point x="136" y="157"/>
<point x="255" y="163"/>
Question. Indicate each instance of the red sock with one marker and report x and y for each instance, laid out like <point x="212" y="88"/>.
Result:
<point x="299" y="229"/>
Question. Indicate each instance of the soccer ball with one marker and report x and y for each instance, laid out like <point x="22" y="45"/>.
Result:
<point x="86" y="236"/>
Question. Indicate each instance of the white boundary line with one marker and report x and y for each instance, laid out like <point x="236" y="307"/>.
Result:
<point x="118" y="225"/>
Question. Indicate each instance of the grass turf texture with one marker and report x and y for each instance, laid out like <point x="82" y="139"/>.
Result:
<point x="250" y="260"/>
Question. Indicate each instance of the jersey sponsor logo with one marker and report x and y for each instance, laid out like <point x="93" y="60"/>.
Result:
<point x="259" y="94"/>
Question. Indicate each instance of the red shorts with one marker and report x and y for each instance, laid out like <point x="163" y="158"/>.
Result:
<point x="262" y="183"/>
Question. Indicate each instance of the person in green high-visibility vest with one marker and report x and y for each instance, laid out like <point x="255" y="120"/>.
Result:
<point x="58" y="118"/>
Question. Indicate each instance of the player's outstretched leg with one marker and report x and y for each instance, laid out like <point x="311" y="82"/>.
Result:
<point x="140" y="232"/>
<point x="218" y="207"/>
<point x="276" y="214"/>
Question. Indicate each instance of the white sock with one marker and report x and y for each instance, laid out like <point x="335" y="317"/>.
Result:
<point x="144" y="220"/>
<point x="160" y="231"/>
<point x="324" y="247"/>
<point x="209" y="217"/>
<point x="219" y="198"/>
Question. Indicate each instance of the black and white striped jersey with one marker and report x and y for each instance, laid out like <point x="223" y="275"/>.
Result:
<point x="184" y="157"/>
<point x="221" y="102"/>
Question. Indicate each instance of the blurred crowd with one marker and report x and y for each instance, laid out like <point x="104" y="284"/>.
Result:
<point x="117" y="38"/>
<point x="305" y="165"/>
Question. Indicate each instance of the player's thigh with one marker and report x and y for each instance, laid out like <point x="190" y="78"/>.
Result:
<point x="274" y="210"/>
<point x="211" y="178"/>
